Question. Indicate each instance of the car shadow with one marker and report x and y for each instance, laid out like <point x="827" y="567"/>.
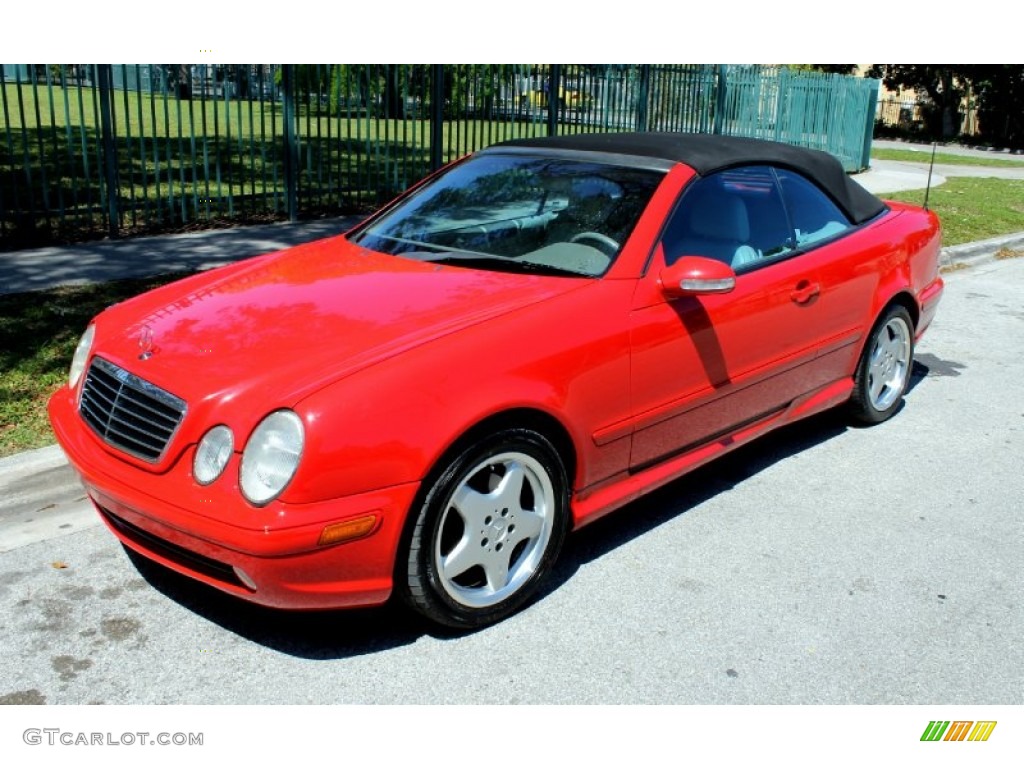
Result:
<point x="327" y="635"/>
<point x="680" y="496"/>
<point x="927" y="365"/>
<point x="316" y="635"/>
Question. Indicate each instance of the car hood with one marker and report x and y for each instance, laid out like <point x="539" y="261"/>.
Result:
<point x="282" y="326"/>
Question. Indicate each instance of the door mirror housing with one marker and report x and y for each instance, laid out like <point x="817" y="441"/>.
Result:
<point x="696" y="276"/>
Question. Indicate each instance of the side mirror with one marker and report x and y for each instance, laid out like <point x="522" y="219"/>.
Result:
<point x="695" y="276"/>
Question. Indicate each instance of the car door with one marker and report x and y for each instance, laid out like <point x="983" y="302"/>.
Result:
<point x="846" y="261"/>
<point x="704" y="366"/>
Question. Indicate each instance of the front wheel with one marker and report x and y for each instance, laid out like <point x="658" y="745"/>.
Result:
<point x="488" y="531"/>
<point x="883" y="372"/>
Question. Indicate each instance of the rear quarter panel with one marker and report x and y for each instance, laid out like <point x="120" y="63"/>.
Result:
<point x="896" y="254"/>
<point x="923" y="234"/>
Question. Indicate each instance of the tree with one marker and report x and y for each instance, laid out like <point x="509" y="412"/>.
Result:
<point x="945" y="85"/>
<point x="478" y="86"/>
<point x="999" y="93"/>
<point x="996" y="89"/>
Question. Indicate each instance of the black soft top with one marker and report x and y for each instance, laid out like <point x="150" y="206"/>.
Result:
<point x="707" y="154"/>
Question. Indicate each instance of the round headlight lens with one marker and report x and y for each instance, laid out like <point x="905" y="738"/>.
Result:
<point x="212" y="454"/>
<point x="271" y="456"/>
<point x="81" y="356"/>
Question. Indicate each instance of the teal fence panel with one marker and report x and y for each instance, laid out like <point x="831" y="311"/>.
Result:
<point x="829" y="112"/>
<point x="111" y="150"/>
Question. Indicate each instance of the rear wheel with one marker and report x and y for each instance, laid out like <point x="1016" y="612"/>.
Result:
<point x="883" y="372"/>
<point x="489" y="529"/>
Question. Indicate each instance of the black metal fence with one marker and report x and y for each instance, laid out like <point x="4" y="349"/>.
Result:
<point x="94" y="150"/>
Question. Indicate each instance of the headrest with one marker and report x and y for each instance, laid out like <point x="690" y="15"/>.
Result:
<point x="717" y="215"/>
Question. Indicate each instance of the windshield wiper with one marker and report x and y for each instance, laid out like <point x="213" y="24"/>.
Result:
<point x="498" y="263"/>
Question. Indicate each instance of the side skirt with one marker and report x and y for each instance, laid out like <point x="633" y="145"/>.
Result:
<point x="593" y="503"/>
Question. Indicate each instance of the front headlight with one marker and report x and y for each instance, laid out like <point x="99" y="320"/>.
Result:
<point x="271" y="456"/>
<point x="81" y="356"/>
<point x="212" y="454"/>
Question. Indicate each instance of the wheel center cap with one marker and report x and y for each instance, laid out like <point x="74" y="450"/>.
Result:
<point x="499" y="529"/>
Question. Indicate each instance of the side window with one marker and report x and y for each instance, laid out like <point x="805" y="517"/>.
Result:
<point x="735" y="216"/>
<point x="815" y="217"/>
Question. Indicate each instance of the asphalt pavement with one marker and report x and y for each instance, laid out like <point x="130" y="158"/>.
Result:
<point x="824" y="564"/>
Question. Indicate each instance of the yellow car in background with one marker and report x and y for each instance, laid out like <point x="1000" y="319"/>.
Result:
<point x="569" y="97"/>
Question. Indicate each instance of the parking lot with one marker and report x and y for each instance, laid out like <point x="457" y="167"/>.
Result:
<point x="825" y="564"/>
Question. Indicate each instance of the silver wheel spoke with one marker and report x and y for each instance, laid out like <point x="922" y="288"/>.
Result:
<point x="877" y="386"/>
<point x="510" y="490"/>
<point x="496" y="569"/>
<point x="897" y="348"/>
<point x="473" y="506"/>
<point x="462" y="557"/>
<point x="528" y="524"/>
<point x="877" y="370"/>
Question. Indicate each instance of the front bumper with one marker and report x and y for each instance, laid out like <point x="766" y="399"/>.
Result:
<point x="212" y="533"/>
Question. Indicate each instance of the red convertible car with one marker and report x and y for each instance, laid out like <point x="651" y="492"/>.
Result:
<point x="525" y="341"/>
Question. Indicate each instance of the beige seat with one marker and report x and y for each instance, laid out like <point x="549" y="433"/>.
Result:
<point x="719" y="228"/>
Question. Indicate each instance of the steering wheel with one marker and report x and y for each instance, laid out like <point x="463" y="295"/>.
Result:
<point x="603" y="243"/>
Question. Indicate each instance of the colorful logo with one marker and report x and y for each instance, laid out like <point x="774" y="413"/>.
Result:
<point x="958" y="730"/>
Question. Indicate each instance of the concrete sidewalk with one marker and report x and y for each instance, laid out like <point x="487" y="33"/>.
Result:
<point x="103" y="260"/>
<point x="948" y="149"/>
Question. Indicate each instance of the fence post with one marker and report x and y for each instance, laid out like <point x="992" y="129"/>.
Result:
<point x="436" y="117"/>
<point x="291" y="149"/>
<point x="554" y="75"/>
<point x="641" y="105"/>
<point x="782" y="86"/>
<point x="720" y="103"/>
<point x="104" y="77"/>
<point x="869" y="124"/>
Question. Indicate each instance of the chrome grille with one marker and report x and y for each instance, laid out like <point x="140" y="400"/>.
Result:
<point x="129" y="413"/>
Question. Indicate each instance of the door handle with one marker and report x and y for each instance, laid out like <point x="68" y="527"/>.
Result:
<point x="805" y="291"/>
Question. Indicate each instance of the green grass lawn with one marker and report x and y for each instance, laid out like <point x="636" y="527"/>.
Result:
<point x="183" y="163"/>
<point x="38" y="335"/>
<point x="155" y="116"/>
<point x="944" y="158"/>
<point x="218" y="146"/>
<point x="973" y="209"/>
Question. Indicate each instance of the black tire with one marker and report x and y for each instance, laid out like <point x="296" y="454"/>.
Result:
<point x="883" y="371"/>
<point x="488" y="530"/>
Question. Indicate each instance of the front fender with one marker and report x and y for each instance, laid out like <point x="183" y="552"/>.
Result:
<point x="390" y="423"/>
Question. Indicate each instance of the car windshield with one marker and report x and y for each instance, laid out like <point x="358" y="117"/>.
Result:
<point x="518" y="213"/>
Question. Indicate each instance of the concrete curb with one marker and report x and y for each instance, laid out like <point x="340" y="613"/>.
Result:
<point x="35" y="460"/>
<point x="980" y="250"/>
<point x="42" y="499"/>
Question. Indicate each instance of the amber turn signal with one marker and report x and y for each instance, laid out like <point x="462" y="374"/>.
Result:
<point x="348" y="530"/>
